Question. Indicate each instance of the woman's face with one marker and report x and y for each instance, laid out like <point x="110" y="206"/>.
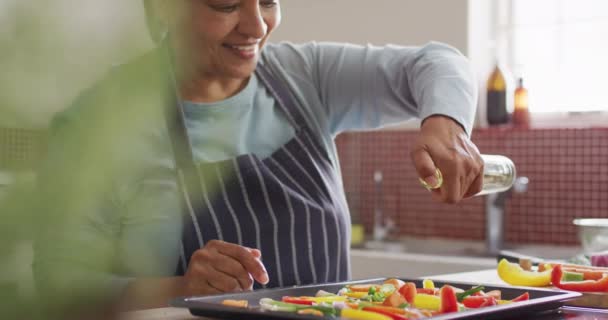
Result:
<point x="222" y="38"/>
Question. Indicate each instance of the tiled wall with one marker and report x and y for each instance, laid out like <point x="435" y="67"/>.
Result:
<point x="21" y="149"/>
<point x="567" y="168"/>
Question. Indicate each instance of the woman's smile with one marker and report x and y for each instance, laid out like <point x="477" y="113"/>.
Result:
<point x="246" y="51"/>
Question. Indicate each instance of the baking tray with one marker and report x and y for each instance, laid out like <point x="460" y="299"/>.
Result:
<point x="210" y="306"/>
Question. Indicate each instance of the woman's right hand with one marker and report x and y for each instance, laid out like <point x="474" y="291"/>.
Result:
<point x="221" y="267"/>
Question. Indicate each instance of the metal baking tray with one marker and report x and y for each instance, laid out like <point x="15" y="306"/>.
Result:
<point x="210" y="306"/>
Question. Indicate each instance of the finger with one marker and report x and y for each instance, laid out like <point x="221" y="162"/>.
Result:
<point x="196" y="280"/>
<point x="256" y="253"/>
<point x="252" y="264"/>
<point x="222" y="281"/>
<point x="425" y="167"/>
<point x="451" y="191"/>
<point x="235" y="269"/>
<point x="475" y="186"/>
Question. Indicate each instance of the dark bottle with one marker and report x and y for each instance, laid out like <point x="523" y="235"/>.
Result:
<point x="521" y="112"/>
<point x="497" y="100"/>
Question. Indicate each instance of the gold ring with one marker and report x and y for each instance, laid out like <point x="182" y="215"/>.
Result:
<point x="439" y="177"/>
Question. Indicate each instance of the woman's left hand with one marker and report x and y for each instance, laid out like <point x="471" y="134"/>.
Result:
<point x="443" y="144"/>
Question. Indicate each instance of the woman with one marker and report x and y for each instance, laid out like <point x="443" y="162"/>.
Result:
<point x="249" y="156"/>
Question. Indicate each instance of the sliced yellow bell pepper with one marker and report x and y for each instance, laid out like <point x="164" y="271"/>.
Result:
<point x="327" y="299"/>
<point x="427" y="301"/>
<point x="513" y="274"/>
<point x="356" y="294"/>
<point x="362" y="315"/>
<point x="428" y="284"/>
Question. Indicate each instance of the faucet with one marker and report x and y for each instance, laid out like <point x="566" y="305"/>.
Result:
<point x="495" y="212"/>
<point x="382" y="226"/>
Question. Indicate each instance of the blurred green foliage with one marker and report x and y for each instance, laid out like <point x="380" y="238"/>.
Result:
<point x="49" y="52"/>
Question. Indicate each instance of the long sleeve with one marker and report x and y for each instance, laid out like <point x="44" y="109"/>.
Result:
<point x="368" y="87"/>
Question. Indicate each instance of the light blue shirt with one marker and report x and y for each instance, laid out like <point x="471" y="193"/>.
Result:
<point x="109" y="178"/>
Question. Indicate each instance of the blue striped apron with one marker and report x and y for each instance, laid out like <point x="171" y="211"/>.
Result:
<point x="289" y="205"/>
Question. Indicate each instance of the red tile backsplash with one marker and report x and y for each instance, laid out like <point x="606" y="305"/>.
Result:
<point x="567" y="168"/>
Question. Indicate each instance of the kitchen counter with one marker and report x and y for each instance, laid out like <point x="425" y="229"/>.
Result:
<point x="488" y="276"/>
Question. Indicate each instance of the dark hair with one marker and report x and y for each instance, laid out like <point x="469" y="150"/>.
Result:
<point x="153" y="26"/>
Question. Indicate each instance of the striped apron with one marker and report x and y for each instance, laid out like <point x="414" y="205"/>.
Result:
<point x="289" y="205"/>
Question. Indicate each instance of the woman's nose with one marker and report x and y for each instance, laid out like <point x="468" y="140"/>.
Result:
<point x="252" y="22"/>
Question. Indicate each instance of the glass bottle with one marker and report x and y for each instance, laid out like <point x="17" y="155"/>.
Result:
<point x="498" y="174"/>
<point x="497" y="100"/>
<point x="521" y="113"/>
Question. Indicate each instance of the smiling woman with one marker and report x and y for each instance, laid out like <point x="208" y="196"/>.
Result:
<point x="213" y="168"/>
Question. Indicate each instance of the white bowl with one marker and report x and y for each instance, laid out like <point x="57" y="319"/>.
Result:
<point x="593" y="234"/>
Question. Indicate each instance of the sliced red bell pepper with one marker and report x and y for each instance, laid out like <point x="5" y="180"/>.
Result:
<point x="296" y="300"/>
<point x="479" y="301"/>
<point x="408" y="291"/>
<point x="448" y="300"/>
<point x="385" y="312"/>
<point x="579" y="286"/>
<point x="523" y="297"/>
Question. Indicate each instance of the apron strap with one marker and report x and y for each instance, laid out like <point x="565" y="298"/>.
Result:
<point x="178" y="134"/>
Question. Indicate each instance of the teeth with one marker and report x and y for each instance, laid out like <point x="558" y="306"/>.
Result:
<point x="245" y="48"/>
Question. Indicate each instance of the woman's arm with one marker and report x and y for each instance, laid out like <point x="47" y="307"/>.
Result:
<point x="367" y="87"/>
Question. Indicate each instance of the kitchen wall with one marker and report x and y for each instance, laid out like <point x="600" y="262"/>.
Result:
<point x="405" y="22"/>
<point x="567" y="169"/>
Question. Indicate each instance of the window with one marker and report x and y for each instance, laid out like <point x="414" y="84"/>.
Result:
<point x="560" y="48"/>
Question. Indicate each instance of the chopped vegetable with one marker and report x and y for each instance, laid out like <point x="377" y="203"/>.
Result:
<point x="572" y="276"/>
<point x="313" y="312"/>
<point x="323" y="293"/>
<point x="428" y="284"/>
<point x="497" y="294"/>
<point x="297" y="300"/>
<point x="408" y="291"/>
<point x="397" y="310"/>
<point x="513" y="274"/>
<point x="523" y="297"/>
<point x="466" y="293"/>
<point x="388" y="313"/>
<point x="273" y="305"/>
<point x="448" y="300"/>
<point x="525" y="264"/>
<point x="395" y="282"/>
<point x="427" y="301"/>
<point x="426" y="291"/>
<point x="394" y="300"/>
<point x="580" y="286"/>
<point x="363" y="315"/>
<point x="479" y="301"/>
<point x="588" y="273"/>
<point x="236" y="303"/>
<point x="363" y="287"/>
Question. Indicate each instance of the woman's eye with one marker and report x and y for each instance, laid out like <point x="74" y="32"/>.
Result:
<point x="268" y="4"/>
<point x="227" y="8"/>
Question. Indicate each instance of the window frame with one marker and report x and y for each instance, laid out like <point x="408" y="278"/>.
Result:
<point x="504" y="37"/>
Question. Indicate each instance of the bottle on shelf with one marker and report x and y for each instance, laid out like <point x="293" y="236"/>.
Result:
<point x="521" y="113"/>
<point x="497" y="98"/>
